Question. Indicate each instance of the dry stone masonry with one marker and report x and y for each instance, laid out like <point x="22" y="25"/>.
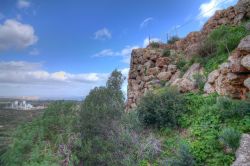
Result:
<point x="148" y="68"/>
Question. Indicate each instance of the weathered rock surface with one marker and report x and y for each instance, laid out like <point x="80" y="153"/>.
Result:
<point x="243" y="152"/>
<point x="232" y="78"/>
<point x="187" y="82"/>
<point x="246" y="62"/>
<point x="245" y="44"/>
<point x="247" y="83"/>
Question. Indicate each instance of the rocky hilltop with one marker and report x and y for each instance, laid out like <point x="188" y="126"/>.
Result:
<point x="149" y="67"/>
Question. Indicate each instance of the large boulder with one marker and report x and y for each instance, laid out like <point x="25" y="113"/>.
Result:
<point x="213" y="76"/>
<point x="184" y="85"/>
<point x="245" y="44"/>
<point x="208" y="88"/>
<point x="246" y="61"/>
<point x="188" y="82"/>
<point x="165" y="76"/>
<point x="247" y="83"/>
<point x="195" y="69"/>
<point x="243" y="152"/>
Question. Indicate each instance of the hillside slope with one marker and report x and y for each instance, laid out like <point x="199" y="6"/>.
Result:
<point x="181" y="63"/>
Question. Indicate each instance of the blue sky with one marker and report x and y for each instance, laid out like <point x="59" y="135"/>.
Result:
<point x="63" y="48"/>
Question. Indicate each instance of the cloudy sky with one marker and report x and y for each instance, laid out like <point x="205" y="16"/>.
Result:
<point x="63" y="48"/>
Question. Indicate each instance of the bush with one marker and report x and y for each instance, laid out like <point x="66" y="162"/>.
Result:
<point x="166" y="52"/>
<point x="109" y="136"/>
<point x="155" y="44"/>
<point x="222" y="40"/>
<point x="162" y="109"/>
<point x="230" y="138"/>
<point x="173" y="39"/>
<point x="37" y="143"/>
<point x="184" y="157"/>
<point x="200" y="81"/>
<point x="230" y="108"/>
<point x="216" y="48"/>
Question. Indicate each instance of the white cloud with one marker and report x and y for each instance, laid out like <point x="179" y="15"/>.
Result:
<point x="146" y="41"/>
<point x="15" y="35"/>
<point x="22" y="4"/>
<point x="105" y="52"/>
<point x="34" y="51"/>
<point x="208" y="9"/>
<point x="125" y="53"/>
<point x="26" y="72"/>
<point x="102" y="34"/>
<point x="26" y="78"/>
<point x="146" y="22"/>
<point x="125" y="73"/>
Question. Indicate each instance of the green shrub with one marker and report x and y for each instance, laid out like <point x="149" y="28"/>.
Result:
<point x="230" y="138"/>
<point x="207" y="48"/>
<point x="162" y="109"/>
<point x="183" y="65"/>
<point x="230" y="108"/>
<point x="37" y="143"/>
<point x="200" y="81"/>
<point x="184" y="157"/>
<point x="223" y="40"/>
<point x="166" y="52"/>
<point x="218" y="45"/>
<point x="173" y="39"/>
<point x="109" y="136"/>
<point x="155" y="44"/>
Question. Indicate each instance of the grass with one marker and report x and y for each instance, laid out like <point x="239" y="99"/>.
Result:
<point x="37" y="142"/>
<point x="10" y="119"/>
<point x="201" y="128"/>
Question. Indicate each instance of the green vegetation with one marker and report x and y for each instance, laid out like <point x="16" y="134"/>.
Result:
<point x="200" y="80"/>
<point x="154" y="44"/>
<point x="232" y="108"/>
<point x="230" y="138"/>
<point x="166" y="52"/>
<point x="173" y="39"/>
<point x="184" y="157"/>
<point x="161" y="109"/>
<point x="204" y="124"/>
<point x="219" y="44"/>
<point x="110" y="136"/>
<point x="167" y="127"/>
<point x="98" y="132"/>
<point x="37" y="142"/>
<point x="10" y="119"/>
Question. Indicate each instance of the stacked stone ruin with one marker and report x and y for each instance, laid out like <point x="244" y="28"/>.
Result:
<point x="148" y="67"/>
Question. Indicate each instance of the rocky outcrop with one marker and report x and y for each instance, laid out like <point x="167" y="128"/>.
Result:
<point x="243" y="152"/>
<point x="188" y="82"/>
<point x="232" y="78"/>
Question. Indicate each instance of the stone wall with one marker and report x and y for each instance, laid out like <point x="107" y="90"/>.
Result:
<point x="148" y="68"/>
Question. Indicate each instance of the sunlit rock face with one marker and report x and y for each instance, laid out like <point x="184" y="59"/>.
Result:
<point x="243" y="152"/>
